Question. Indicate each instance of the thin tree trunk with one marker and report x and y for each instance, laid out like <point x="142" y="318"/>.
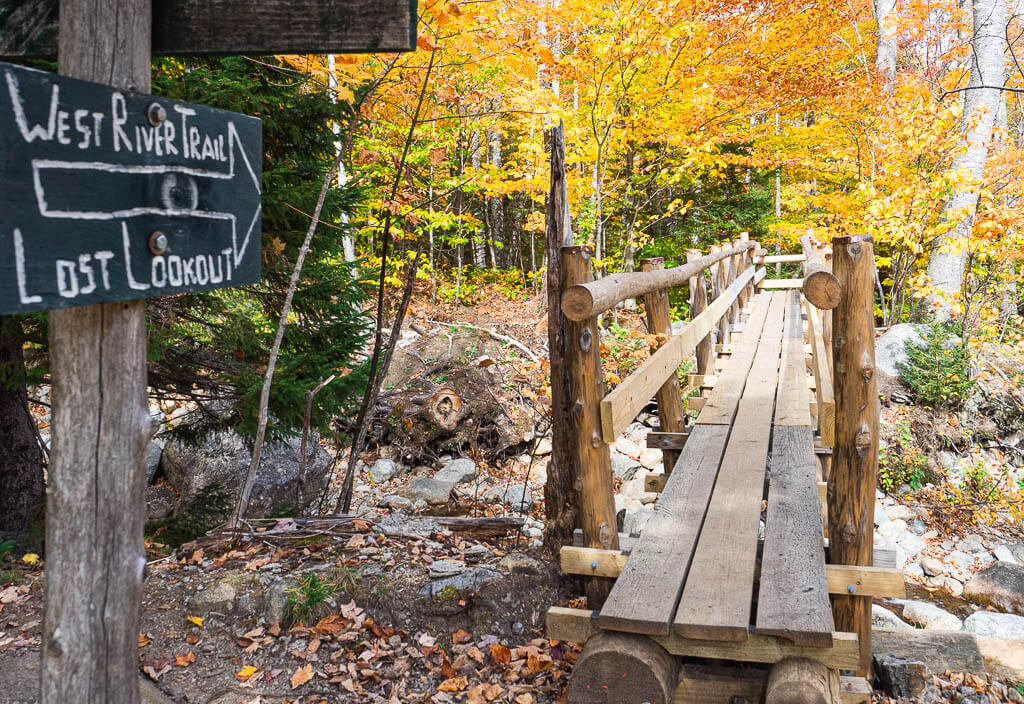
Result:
<point x="885" y="56"/>
<point x="981" y="100"/>
<point x="22" y="492"/>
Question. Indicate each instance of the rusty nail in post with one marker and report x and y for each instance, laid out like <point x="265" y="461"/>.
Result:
<point x="156" y="114"/>
<point x="158" y="243"/>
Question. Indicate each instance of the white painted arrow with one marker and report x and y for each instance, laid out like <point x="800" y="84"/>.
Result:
<point x="167" y="208"/>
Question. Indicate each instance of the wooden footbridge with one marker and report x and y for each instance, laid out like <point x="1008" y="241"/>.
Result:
<point x="733" y="591"/>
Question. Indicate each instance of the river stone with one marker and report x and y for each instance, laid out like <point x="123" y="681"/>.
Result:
<point x="912" y="545"/>
<point x="932" y="567"/>
<point x="893" y="530"/>
<point x="383" y="470"/>
<point x="881" y="617"/>
<point x="521" y="563"/>
<point x="622" y="466"/>
<point x="517" y="496"/>
<point x="900" y="676"/>
<point x="1004" y="657"/>
<point x="1004" y="554"/>
<point x="544" y="447"/>
<point x="918" y="527"/>
<point x="458" y="471"/>
<point x="939" y="650"/>
<point x="651" y="457"/>
<point x="1001" y="586"/>
<point x="461" y="585"/>
<point x="988" y="624"/>
<point x="154" y="451"/>
<point x="219" y="596"/>
<point x="432" y="491"/>
<point x="220" y="458"/>
<point x="628" y="447"/>
<point x="890" y="348"/>
<point x="960" y="560"/>
<point x="930" y="617"/>
<point x="970" y="544"/>
<point x="439" y="569"/>
<point x="953" y="586"/>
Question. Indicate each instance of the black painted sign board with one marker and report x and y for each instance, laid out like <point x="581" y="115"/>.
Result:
<point x="108" y="195"/>
<point x="186" y="27"/>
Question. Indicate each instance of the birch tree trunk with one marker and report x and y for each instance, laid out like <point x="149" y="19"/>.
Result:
<point x="885" y="56"/>
<point x="478" y="239"/>
<point x="981" y="102"/>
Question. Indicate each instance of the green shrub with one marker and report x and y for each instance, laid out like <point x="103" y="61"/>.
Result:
<point x="902" y="462"/>
<point x="938" y="368"/>
<point x="307" y="600"/>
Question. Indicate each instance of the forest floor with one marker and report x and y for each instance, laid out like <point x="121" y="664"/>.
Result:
<point x="389" y="605"/>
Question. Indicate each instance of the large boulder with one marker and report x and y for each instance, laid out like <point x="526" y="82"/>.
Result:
<point x="939" y="650"/>
<point x="987" y="624"/>
<point x="220" y="459"/>
<point x="930" y="617"/>
<point x="1001" y="585"/>
<point x="890" y="348"/>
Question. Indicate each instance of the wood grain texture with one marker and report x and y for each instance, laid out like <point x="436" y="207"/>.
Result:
<point x="716" y="600"/>
<point x="721" y="405"/>
<point x="578" y="625"/>
<point x="718" y="284"/>
<point x="671" y="415"/>
<point x="698" y="304"/>
<point x="793" y="595"/>
<point x="596" y="499"/>
<point x="622" y="668"/>
<point x="778" y="258"/>
<point x="820" y="286"/>
<point x="718" y="685"/>
<point x="645" y="595"/>
<point x="823" y="391"/>
<point x="185" y="27"/>
<point x="595" y="297"/>
<point x="851" y="496"/>
<point x="791" y="407"/>
<point x="95" y="499"/>
<point x="592" y="561"/>
<point x="802" y="681"/>
<point x="659" y="440"/>
<point x="781" y="284"/>
<point x="620" y="407"/>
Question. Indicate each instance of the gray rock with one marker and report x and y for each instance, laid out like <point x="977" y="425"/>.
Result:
<point x="960" y="560"/>
<point x="432" y="492"/>
<point x="399" y="503"/>
<point x="277" y="599"/>
<point x="953" y="586"/>
<point x="1001" y="585"/>
<point x="1004" y="554"/>
<point x="221" y="459"/>
<point x="628" y="447"/>
<point x="939" y="650"/>
<point x="899" y="676"/>
<point x="912" y="545"/>
<point x="622" y="466"/>
<point x="890" y="348"/>
<point x="458" y="471"/>
<point x="930" y="617"/>
<point x="517" y="496"/>
<point x="881" y="617"/>
<point x="651" y="458"/>
<point x="635" y="521"/>
<point x="987" y="624"/>
<point x="160" y="501"/>
<point x="521" y="563"/>
<point x="893" y="530"/>
<point x="918" y="527"/>
<point x="932" y="567"/>
<point x="899" y="511"/>
<point x="439" y="569"/>
<point x="970" y="544"/>
<point x="154" y="451"/>
<point x="461" y="585"/>
<point x="383" y="470"/>
<point x="477" y="552"/>
<point x="913" y="569"/>
<point x="881" y="516"/>
<point x="543" y="448"/>
<point x="219" y="596"/>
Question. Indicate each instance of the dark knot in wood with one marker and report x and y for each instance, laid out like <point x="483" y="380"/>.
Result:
<point x="596" y="441"/>
<point x="585" y="339"/>
<point x="867" y="366"/>
<point x="605" y="535"/>
<point x="577" y="408"/>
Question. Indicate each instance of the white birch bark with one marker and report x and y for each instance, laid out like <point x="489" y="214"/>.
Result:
<point x="885" y="56"/>
<point x="347" y="242"/>
<point x="478" y="244"/>
<point x="981" y="103"/>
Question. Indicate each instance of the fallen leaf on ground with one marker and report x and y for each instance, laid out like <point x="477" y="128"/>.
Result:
<point x="185" y="659"/>
<point x="453" y="684"/>
<point x="501" y="654"/>
<point x="195" y="619"/>
<point x="301" y="676"/>
<point x="461" y="636"/>
<point x="524" y="699"/>
<point x="246" y="672"/>
<point x="144" y="640"/>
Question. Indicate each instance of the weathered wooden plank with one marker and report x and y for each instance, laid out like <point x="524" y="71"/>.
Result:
<point x="619" y="408"/>
<point x="655" y="482"/>
<point x="721" y="405"/>
<point x="704" y="381"/>
<point x="792" y="407"/>
<point x="793" y="595"/>
<point x="184" y="27"/>
<point x="823" y="392"/>
<point x="878" y="581"/>
<point x="578" y="625"/>
<point x="695" y="403"/>
<point x="716" y="599"/>
<point x="708" y="684"/>
<point x="660" y="440"/>
<point x="627" y="541"/>
<point x="776" y="284"/>
<point x="783" y="258"/>
<point x="645" y="594"/>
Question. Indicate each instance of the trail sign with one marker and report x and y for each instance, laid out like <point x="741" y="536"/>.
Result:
<point x="108" y="195"/>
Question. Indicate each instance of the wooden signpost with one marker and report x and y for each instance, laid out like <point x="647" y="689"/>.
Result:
<point x="108" y="196"/>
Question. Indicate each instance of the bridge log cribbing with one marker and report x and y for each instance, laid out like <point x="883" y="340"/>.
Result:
<point x="733" y="587"/>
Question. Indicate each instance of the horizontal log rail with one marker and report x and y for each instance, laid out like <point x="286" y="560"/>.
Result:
<point x="584" y="301"/>
<point x="820" y="286"/>
<point x="620" y="407"/>
<point x="783" y="258"/>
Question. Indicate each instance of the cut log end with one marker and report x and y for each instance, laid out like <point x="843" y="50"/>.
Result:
<point x="822" y="289"/>
<point x="446" y="408"/>
<point x="577" y="302"/>
<point x="623" y="668"/>
<point x="802" y="681"/>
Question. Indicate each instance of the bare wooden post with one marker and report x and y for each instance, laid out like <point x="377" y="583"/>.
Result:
<point x="560" y="492"/>
<point x="733" y="272"/>
<point x="802" y="681"/>
<point x="586" y="389"/>
<point x="95" y="499"/>
<point x="698" y="304"/>
<point x="718" y="276"/>
<point x="820" y="285"/>
<point x="670" y="401"/>
<point x="746" y="261"/>
<point x="851" y="489"/>
<point x="826" y="315"/>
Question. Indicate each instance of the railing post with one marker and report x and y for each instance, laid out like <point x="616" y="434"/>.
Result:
<point x="747" y="260"/>
<point x="670" y="401"/>
<point x="851" y="489"/>
<point x="732" y="264"/>
<point x="826" y="315"/>
<point x="718" y="276"/>
<point x="698" y="304"/>
<point x="593" y="460"/>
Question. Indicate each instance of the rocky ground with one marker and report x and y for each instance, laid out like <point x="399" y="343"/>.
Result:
<point x="402" y="608"/>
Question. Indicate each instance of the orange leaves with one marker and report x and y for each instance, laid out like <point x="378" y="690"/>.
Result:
<point x="185" y="659"/>
<point x="453" y="684"/>
<point x="301" y="676"/>
<point x="501" y="654"/>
